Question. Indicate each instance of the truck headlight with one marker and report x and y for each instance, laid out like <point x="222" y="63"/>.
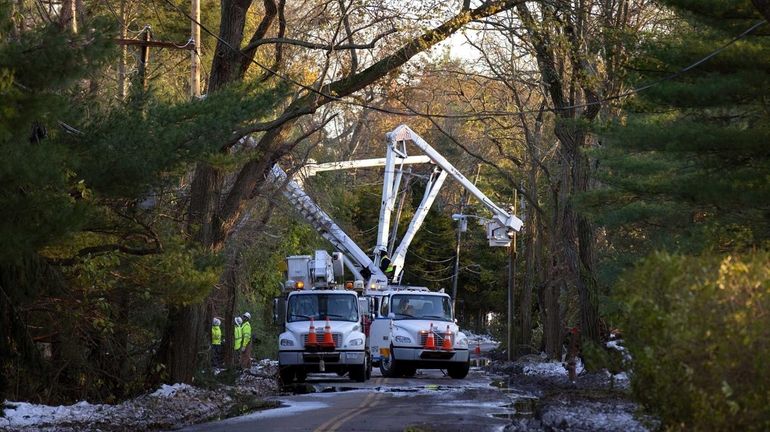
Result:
<point x="403" y="339"/>
<point x="356" y="342"/>
<point x="462" y="343"/>
<point x="287" y="342"/>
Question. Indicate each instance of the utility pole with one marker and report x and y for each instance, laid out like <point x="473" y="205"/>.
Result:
<point x="122" y="88"/>
<point x="512" y="288"/>
<point x="144" y="57"/>
<point x="144" y="45"/>
<point x="195" y="65"/>
<point x="460" y="225"/>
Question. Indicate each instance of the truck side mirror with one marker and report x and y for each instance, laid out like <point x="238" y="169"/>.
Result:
<point x="279" y="310"/>
<point x="363" y="306"/>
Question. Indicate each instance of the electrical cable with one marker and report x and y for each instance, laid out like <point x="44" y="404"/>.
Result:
<point x="411" y="253"/>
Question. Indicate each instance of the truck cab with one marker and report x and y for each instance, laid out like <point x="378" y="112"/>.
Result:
<point x="415" y="329"/>
<point x="323" y="323"/>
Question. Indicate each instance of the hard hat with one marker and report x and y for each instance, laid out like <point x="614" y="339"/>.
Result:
<point x="247" y="315"/>
<point x="216" y="322"/>
<point x="238" y="320"/>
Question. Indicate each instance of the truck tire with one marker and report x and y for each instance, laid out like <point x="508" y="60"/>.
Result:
<point x="369" y="368"/>
<point x="286" y="374"/>
<point x="389" y="367"/>
<point x="459" y="370"/>
<point x="300" y="375"/>
<point x="358" y="373"/>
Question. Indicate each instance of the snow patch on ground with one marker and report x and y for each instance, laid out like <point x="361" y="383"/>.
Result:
<point x="21" y="414"/>
<point x="266" y="364"/>
<point x="479" y="338"/>
<point x="617" y="344"/>
<point x="170" y="390"/>
<point x="550" y="368"/>
<point x="168" y="407"/>
<point x="591" y="416"/>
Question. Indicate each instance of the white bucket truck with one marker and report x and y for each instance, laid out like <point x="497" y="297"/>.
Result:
<point x="415" y="329"/>
<point x="323" y="321"/>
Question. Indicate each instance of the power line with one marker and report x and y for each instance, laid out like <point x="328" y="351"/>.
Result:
<point x="415" y="113"/>
<point x="429" y="260"/>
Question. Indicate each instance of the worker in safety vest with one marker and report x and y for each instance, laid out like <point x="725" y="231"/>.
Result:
<point x="238" y="335"/>
<point x="216" y="343"/>
<point x="246" y="344"/>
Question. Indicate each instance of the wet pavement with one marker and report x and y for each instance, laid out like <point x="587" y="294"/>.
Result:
<point x="429" y="401"/>
<point x="530" y="395"/>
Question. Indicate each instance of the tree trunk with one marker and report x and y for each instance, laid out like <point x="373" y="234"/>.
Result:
<point x="576" y="248"/>
<point x="185" y="333"/>
<point x="226" y="66"/>
<point x="552" y="326"/>
<point x="531" y="256"/>
<point x="68" y="17"/>
<point x="186" y="329"/>
<point x="588" y="285"/>
<point x="577" y="231"/>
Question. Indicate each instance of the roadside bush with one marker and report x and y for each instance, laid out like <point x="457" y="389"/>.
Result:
<point x="598" y="357"/>
<point x="699" y="332"/>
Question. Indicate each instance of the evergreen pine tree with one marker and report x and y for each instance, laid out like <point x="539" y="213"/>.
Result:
<point x="688" y="170"/>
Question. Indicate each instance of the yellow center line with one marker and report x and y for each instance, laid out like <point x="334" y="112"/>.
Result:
<point x="327" y="426"/>
<point x="355" y="413"/>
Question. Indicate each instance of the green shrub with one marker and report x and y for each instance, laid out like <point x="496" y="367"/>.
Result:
<point x="598" y="357"/>
<point x="699" y="332"/>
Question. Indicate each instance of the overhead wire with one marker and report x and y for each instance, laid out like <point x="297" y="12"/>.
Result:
<point x="411" y="253"/>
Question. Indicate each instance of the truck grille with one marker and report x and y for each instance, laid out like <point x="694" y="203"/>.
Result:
<point x="320" y="337"/>
<point x="437" y="336"/>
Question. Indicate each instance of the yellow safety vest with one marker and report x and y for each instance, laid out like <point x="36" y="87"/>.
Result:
<point x="246" y="333"/>
<point x="238" y="340"/>
<point x="216" y="335"/>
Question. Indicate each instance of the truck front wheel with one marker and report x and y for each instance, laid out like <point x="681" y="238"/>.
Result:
<point x="459" y="370"/>
<point x="358" y="373"/>
<point x="389" y="367"/>
<point x="286" y="374"/>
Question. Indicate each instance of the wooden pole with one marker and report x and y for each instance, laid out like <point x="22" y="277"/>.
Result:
<point x="195" y="64"/>
<point x="512" y="290"/>
<point x="144" y="58"/>
<point x="122" y="87"/>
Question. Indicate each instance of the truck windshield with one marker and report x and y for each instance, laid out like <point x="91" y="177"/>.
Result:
<point x="336" y="307"/>
<point x="417" y="306"/>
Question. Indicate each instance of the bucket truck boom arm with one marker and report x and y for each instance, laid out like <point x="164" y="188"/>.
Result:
<point x="356" y="259"/>
<point x="499" y="228"/>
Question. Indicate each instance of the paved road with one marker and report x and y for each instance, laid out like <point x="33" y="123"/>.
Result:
<point x="429" y="401"/>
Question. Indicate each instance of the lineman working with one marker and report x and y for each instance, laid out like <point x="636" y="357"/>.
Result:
<point x="237" y="335"/>
<point x="246" y="341"/>
<point x="216" y="343"/>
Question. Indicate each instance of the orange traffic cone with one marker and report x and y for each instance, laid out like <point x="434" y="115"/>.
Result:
<point x="430" y="343"/>
<point x="447" y="343"/>
<point x="478" y="348"/>
<point x="328" y="339"/>
<point x="312" y="339"/>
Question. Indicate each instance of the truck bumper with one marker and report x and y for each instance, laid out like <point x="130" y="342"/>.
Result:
<point x="331" y="358"/>
<point x="425" y="359"/>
